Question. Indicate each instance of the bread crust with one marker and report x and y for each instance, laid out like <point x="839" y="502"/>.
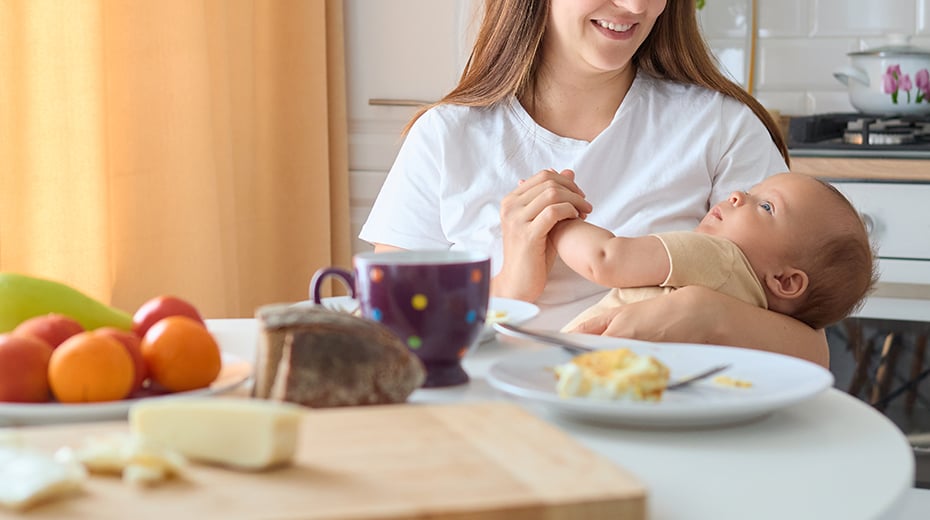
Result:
<point x="322" y="358"/>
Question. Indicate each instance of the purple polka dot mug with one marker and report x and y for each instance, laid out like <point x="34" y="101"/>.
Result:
<point x="435" y="301"/>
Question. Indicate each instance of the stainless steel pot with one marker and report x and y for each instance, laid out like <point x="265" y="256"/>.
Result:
<point x="891" y="79"/>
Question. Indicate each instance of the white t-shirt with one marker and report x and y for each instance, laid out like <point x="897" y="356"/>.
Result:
<point x="670" y="152"/>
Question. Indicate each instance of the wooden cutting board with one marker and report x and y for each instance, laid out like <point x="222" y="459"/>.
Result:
<point x="462" y="461"/>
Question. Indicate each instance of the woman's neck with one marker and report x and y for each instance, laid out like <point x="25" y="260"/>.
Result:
<point x="575" y="105"/>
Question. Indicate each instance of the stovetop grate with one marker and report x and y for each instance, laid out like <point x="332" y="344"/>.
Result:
<point x="860" y="132"/>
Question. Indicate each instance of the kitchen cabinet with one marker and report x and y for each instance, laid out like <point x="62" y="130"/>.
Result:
<point x="396" y="52"/>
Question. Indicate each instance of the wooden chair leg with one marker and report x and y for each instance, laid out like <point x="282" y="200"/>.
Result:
<point x="853" y="335"/>
<point x="917" y="365"/>
<point x="862" y="350"/>
<point x="884" y="374"/>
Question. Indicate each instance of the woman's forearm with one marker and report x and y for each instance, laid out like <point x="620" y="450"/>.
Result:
<point x="749" y="326"/>
<point x="696" y="314"/>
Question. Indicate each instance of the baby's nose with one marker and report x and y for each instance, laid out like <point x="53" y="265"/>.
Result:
<point x="737" y="198"/>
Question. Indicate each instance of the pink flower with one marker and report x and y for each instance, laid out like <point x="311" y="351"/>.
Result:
<point x="894" y="70"/>
<point x="922" y="80"/>
<point x="889" y="83"/>
<point x="905" y="83"/>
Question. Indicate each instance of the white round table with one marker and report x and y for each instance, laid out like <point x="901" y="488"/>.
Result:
<point x="832" y="456"/>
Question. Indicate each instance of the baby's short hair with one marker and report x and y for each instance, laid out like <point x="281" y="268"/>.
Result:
<point x="841" y="271"/>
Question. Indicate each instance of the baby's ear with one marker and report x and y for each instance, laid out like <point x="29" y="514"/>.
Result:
<point x="789" y="284"/>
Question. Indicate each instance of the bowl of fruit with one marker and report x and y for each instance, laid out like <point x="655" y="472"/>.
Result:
<point x="66" y="357"/>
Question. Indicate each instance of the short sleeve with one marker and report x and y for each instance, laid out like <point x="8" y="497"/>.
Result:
<point x="407" y="211"/>
<point x="712" y="262"/>
<point x="747" y="152"/>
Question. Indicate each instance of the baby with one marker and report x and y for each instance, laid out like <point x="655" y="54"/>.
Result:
<point x="792" y="244"/>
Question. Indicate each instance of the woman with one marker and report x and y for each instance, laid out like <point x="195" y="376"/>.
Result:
<point x="620" y="110"/>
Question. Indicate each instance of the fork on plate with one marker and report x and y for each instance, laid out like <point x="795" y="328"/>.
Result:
<point x="575" y="348"/>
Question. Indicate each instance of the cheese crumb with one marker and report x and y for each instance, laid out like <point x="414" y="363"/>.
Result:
<point x="732" y="382"/>
<point x="495" y="316"/>
<point x="138" y="460"/>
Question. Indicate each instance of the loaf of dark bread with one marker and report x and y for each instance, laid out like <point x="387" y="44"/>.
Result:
<point x="323" y="358"/>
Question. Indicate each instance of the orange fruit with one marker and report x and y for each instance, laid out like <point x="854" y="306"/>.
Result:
<point x="133" y="345"/>
<point x="181" y="354"/>
<point x="89" y="368"/>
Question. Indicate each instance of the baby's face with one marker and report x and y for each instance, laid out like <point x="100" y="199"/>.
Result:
<point x="774" y="221"/>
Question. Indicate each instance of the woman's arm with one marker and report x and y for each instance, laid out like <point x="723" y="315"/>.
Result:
<point x="384" y="248"/>
<point x="527" y="216"/>
<point x="696" y="314"/>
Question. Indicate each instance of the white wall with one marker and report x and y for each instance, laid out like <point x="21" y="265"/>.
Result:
<point x="801" y="43"/>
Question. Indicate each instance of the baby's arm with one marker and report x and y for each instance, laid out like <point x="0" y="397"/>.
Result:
<point x="606" y="259"/>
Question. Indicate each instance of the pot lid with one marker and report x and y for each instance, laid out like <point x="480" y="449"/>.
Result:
<point x="898" y="45"/>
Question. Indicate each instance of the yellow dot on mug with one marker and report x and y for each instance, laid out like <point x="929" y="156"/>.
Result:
<point x="476" y="275"/>
<point x="376" y="274"/>
<point x="414" y="342"/>
<point x="419" y="302"/>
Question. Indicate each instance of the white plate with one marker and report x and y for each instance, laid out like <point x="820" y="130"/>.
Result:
<point x="235" y="372"/>
<point x="517" y="311"/>
<point x="777" y="381"/>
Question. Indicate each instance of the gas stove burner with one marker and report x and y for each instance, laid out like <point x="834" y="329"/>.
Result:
<point x="873" y="134"/>
<point x="881" y="132"/>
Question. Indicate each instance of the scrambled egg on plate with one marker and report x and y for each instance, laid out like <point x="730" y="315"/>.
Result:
<point x="611" y="375"/>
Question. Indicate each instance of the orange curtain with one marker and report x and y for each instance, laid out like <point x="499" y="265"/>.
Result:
<point x="194" y="148"/>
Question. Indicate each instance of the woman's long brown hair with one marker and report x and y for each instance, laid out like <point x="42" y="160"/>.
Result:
<point x="505" y="56"/>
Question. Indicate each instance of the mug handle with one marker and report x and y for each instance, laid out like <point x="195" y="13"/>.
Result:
<point x="348" y="279"/>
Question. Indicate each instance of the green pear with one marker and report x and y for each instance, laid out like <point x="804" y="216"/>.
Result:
<point x="23" y="297"/>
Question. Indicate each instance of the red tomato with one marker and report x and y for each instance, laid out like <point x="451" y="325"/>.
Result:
<point x="161" y="307"/>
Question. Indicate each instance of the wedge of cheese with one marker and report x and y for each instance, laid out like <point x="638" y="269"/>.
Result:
<point x="29" y="477"/>
<point x="250" y="434"/>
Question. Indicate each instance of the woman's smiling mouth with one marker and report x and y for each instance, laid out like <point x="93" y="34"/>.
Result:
<point x="615" y="27"/>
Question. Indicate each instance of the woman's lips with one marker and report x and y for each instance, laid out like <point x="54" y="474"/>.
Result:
<point x="619" y="31"/>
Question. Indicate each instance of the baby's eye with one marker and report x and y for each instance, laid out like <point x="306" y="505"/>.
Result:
<point x="766" y="206"/>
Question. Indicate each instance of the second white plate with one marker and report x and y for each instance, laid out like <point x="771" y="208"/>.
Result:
<point x="777" y="381"/>
<point x="510" y="311"/>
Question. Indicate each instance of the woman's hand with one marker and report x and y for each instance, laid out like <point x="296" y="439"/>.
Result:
<point x="696" y="314"/>
<point x="528" y="213"/>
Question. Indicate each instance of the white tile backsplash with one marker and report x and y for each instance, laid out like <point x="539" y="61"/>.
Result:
<point x="796" y="64"/>
<point x="923" y="18"/>
<point x="801" y="42"/>
<point x="787" y="102"/>
<point x="725" y="18"/>
<point x="784" y="18"/>
<point x="731" y="55"/>
<point x="824" y="102"/>
<point x="863" y="17"/>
